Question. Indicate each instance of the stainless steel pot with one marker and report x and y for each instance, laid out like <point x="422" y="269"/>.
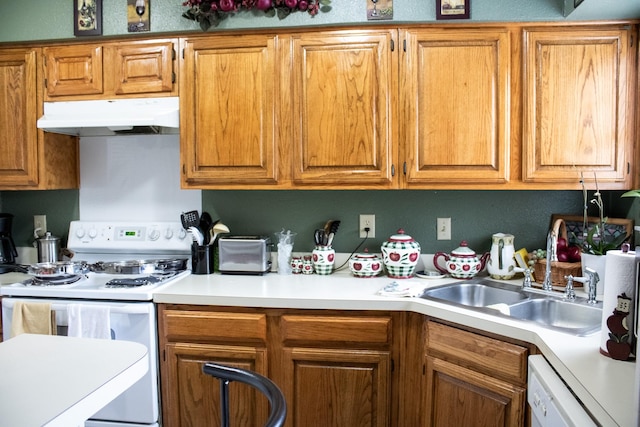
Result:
<point x="48" y="248"/>
<point x="56" y="269"/>
<point x="126" y="267"/>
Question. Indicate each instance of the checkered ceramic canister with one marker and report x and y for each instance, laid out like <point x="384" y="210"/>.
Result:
<point x="323" y="259"/>
<point x="400" y="255"/>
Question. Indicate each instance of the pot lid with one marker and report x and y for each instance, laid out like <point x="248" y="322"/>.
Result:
<point x="48" y="237"/>
<point x="366" y="256"/>
<point x="463" y="250"/>
<point x="401" y="237"/>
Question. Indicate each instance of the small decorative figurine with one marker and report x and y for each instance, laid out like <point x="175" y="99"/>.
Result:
<point x="618" y="344"/>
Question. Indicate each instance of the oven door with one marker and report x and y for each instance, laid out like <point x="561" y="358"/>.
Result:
<point x="131" y="322"/>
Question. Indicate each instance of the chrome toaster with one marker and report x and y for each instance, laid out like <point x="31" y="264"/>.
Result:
<point x="244" y="255"/>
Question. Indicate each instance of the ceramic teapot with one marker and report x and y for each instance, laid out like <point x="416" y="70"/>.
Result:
<point x="463" y="263"/>
<point x="400" y="255"/>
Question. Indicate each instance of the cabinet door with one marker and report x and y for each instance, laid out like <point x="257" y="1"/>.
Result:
<point x="338" y="388"/>
<point x="457" y="396"/>
<point x="228" y="110"/>
<point x="73" y="70"/>
<point x="343" y="95"/>
<point x="140" y="67"/>
<point x="456" y="97"/>
<point x="192" y="398"/>
<point x="18" y="115"/>
<point x="577" y="114"/>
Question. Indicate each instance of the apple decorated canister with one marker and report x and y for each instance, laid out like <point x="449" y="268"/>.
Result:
<point x="400" y="255"/>
<point x="323" y="259"/>
<point x="365" y="265"/>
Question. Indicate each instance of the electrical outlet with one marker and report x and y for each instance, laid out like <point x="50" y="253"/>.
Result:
<point x="444" y="228"/>
<point x="40" y="221"/>
<point x="367" y="221"/>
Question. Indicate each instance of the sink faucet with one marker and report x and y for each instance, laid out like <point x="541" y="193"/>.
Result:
<point x="551" y="256"/>
<point x="591" y="281"/>
<point x="569" y="292"/>
<point x="526" y="283"/>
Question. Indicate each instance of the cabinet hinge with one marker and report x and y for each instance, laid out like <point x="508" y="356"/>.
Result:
<point x="393" y="45"/>
<point x="631" y="41"/>
<point x="173" y="54"/>
<point x="393" y="170"/>
<point x="182" y="53"/>
<point x="45" y="83"/>
<point x="393" y="365"/>
<point x="184" y="169"/>
<point x="404" y="168"/>
<point x="173" y="77"/>
<point x="424" y="370"/>
<point x="404" y="45"/>
<point x="628" y="168"/>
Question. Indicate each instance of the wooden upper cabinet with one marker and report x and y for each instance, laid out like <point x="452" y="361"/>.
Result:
<point x="229" y="109"/>
<point x="578" y="106"/>
<point x="30" y="159"/>
<point x="73" y="70"/>
<point x="343" y="87"/>
<point x="18" y="115"/>
<point x="109" y="70"/>
<point x="141" y="68"/>
<point x="455" y="106"/>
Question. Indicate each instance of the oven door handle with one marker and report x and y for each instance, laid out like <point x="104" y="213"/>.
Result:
<point x="144" y="308"/>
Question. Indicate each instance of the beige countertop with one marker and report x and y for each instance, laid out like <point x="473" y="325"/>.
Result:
<point x="606" y="387"/>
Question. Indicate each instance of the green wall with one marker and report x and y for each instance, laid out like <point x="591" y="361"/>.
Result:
<point x="53" y="19"/>
<point x="475" y="214"/>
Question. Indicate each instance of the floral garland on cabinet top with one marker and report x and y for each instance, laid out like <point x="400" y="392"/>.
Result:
<point x="211" y="12"/>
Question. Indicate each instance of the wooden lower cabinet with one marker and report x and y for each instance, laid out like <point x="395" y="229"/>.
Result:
<point x="334" y="368"/>
<point x="473" y="380"/>
<point x="341" y="368"/>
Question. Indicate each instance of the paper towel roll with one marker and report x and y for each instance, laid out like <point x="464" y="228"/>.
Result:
<point x="620" y="276"/>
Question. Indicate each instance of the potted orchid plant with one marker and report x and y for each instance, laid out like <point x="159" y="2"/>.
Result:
<point x="595" y="242"/>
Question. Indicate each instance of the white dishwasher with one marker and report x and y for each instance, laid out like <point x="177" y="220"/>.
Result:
<point x="551" y="402"/>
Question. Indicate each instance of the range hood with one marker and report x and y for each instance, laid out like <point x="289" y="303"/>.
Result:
<point x="112" y="117"/>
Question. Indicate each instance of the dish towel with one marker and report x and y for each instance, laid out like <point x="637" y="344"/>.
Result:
<point x="33" y="318"/>
<point x="89" y="321"/>
<point x="394" y="289"/>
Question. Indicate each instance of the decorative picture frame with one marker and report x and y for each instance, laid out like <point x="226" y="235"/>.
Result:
<point x="138" y="16"/>
<point x="613" y="227"/>
<point x="453" y="9"/>
<point x="87" y="18"/>
<point x="379" y="10"/>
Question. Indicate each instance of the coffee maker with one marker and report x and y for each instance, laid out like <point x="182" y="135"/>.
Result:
<point x="8" y="252"/>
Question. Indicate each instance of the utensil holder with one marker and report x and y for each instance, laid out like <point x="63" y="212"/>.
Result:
<point x="323" y="259"/>
<point x="202" y="259"/>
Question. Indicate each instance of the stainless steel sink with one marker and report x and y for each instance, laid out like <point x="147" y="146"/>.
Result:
<point x="572" y="317"/>
<point x="476" y="294"/>
<point x="528" y="305"/>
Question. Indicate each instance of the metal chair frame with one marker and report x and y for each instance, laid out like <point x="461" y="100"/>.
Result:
<point x="226" y="374"/>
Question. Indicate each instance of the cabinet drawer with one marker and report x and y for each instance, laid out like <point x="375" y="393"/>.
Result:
<point x="488" y="355"/>
<point x="180" y="325"/>
<point x="333" y="329"/>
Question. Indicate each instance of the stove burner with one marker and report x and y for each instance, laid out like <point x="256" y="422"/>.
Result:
<point x="66" y="279"/>
<point x="139" y="281"/>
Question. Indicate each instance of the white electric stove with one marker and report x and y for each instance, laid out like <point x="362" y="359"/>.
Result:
<point x="129" y="303"/>
<point x="127" y="244"/>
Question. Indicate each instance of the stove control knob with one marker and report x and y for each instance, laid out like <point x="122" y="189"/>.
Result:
<point x="93" y="233"/>
<point x="168" y="234"/>
<point x="80" y="233"/>
<point x="182" y="234"/>
<point x="154" y="234"/>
